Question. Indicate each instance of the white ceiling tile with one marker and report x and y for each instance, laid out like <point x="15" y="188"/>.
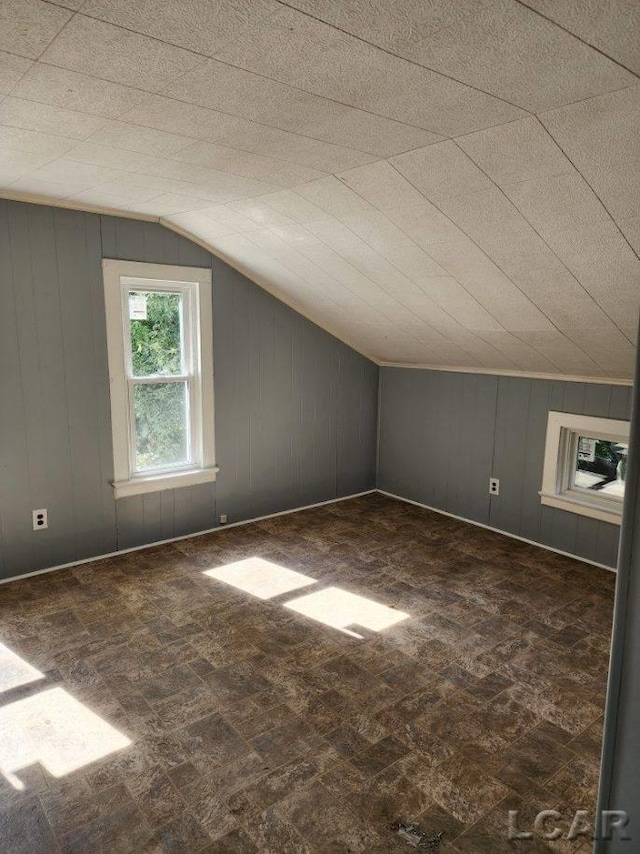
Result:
<point x="225" y="220"/>
<point x="391" y="23"/>
<point x="168" y="204"/>
<point x="293" y="206"/>
<point x="112" y="53"/>
<point x="19" y="139"/>
<point x="561" y="201"/>
<point x="12" y="68"/>
<point x="631" y="230"/>
<point x="381" y="185"/>
<point x="28" y="26"/>
<point x="145" y="187"/>
<point x="420" y="257"/>
<point x="441" y="170"/>
<point x="16" y="112"/>
<point x="117" y="158"/>
<point x="203" y="26"/>
<point x="523" y="356"/>
<point x="330" y="195"/>
<point x="201" y="225"/>
<point x="273" y="142"/>
<point x="458" y="303"/>
<point x="517" y="151"/>
<point x="598" y="131"/>
<point x="133" y="137"/>
<point x="570" y="358"/>
<point x="15" y="164"/>
<point x="255" y="212"/>
<point x="34" y="187"/>
<point x="63" y="88"/>
<point x="491" y="221"/>
<point x="607" y="268"/>
<point x="560" y="296"/>
<point x="602" y="138"/>
<point x="241" y="93"/>
<point x="489" y="285"/>
<point x="72" y="175"/>
<point x="619" y="190"/>
<point x="277" y="172"/>
<point x="376" y="230"/>
<point x="413" y="261"/>
<point x="177" y="117"/>
<point x="610" y="25"/>
<point x="425" y="224"/>
<point x="515" y="54"/>
<point x="303" y="52"/>
<point x="115" y="194"/>
<point x="210" y="183"/>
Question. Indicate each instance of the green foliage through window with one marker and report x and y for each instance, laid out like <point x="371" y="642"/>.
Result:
<point x="160" y="409"/>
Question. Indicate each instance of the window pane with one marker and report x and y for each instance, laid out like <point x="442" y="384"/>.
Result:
<point x="160" y="411"/>
<point x="601" y="466"/>
<point x="155" y="319"/>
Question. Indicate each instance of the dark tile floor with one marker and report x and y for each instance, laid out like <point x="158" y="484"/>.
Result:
<point x="381" y="663"/>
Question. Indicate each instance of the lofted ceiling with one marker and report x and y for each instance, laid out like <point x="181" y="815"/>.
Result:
<point x="437" y="182"/>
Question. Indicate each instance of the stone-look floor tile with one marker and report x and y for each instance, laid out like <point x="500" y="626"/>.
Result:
<point x="24" y="828"/>
<point x="182" y="835"/>
<point x="320" y="817"/>
<point x="212" y="741"/>
<point x="121" y="831"/>
<point x="236" y="842"/>
<point x="254" y="728"/>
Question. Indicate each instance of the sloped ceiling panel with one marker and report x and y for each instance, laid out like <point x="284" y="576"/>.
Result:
<point x="444" y="182"/>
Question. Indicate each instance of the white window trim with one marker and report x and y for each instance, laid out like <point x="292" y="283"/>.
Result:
<point x="115" y="274"/>
<point x="558" y="462"/>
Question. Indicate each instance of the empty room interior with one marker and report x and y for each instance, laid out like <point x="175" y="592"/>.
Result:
<point x="319" y="444"/>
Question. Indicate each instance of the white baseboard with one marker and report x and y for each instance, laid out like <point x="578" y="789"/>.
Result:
<point x="287" y="513"/>
<point x="498" y="531"/>
<point x="183" y="537"/>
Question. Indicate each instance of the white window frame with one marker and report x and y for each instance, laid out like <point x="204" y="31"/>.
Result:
<point x="558" y="490"/>
<point x="195" y="285"/>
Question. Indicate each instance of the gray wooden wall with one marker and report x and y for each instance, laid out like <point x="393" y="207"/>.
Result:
<point x="443" y="434"/>
<point x="295" y="413"/>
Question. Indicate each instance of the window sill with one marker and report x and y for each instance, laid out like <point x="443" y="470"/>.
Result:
<point x="155" y="483"/>
<point x="583" y="508"/>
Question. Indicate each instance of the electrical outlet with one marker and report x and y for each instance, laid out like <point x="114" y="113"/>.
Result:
<point x="224" y="519"/>
<point x="40" y="520"/>
<point x="494" y="486"/>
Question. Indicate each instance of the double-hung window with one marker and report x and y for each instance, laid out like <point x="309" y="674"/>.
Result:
<point x="585" y="465"/>
<point x="159" y="338"/>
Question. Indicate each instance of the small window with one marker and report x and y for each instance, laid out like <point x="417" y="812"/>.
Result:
<point x="159" y="337"/>
<point x="585" y="465"/>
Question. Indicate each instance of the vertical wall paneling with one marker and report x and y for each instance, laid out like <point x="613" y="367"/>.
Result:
<point x="442" y="435"/>
<point x="15" y="497"/>
<point x="291" y="402"/>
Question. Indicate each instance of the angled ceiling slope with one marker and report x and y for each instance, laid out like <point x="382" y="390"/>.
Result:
<point x="445" y="182"/>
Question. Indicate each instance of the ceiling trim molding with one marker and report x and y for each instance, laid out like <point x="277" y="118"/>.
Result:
<point x="504" y="372"/>
<point x="35" y="199"/>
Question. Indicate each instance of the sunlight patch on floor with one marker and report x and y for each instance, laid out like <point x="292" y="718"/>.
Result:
<point x="339" y="608"/>
<point x="15" y="671"/>
<point x="56" y="730"/>
<point x="261" y="578"/>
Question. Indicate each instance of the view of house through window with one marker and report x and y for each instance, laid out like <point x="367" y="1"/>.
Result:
<point x="601" y="466"/>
